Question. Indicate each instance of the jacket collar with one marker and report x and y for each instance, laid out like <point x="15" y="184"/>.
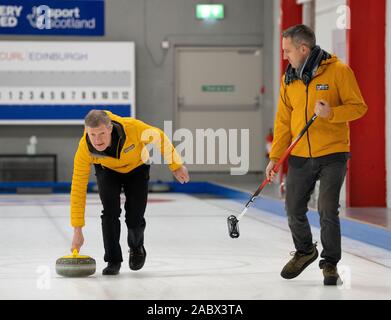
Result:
<point x="309" y="69"/>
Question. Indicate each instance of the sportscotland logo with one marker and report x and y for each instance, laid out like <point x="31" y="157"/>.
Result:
<point x="44" y="17"/>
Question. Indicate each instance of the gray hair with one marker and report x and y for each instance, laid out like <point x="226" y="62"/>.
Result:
<point x="95" y="118"/>
<point x="301" y="34"/>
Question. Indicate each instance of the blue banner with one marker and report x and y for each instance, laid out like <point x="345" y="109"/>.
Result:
<point x="57" y="112"/>
<point x="52" y="17"/>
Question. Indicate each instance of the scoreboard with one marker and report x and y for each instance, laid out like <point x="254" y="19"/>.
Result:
<point x="58" y="82"/>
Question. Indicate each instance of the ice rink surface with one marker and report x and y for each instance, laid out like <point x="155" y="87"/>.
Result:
<point x="189" y="254"/>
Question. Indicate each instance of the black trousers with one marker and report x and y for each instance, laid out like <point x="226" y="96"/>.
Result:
<point x="303" y="173"/>
<point x="135" y="187"/>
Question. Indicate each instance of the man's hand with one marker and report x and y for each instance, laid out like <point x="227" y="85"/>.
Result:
<point x="269" y="171"/>
<point x="182" y="175"/>
<point x="78" y="239"/>
<point x="322" y="109"/>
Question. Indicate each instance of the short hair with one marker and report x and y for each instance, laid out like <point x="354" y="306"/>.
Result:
<point x="301" y="34"/>
<point x="95" y="118"/>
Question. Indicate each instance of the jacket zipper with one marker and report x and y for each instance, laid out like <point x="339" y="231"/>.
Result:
<point x="119" y="141"/>
<point x="306" y="120"/>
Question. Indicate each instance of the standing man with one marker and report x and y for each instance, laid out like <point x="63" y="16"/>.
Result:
<point x="116" y="147"/>
<point x="315" y="82"/>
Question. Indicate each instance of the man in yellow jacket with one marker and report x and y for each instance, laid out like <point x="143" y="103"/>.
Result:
<point x="314" y="82"/>
<point x="116" y="147"/>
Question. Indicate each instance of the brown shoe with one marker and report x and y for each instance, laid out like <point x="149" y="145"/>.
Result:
<point x="298" y="263"/>
<point x="330" y="274"/>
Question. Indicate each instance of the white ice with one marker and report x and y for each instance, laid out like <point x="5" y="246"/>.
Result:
<point x="189" y="254"/>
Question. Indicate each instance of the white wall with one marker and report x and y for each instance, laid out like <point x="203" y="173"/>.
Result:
<point x="388" y="102"/>
<point x="328" y="36"/>
<point x="333" y="40"/>
<point x="277" y="52"/>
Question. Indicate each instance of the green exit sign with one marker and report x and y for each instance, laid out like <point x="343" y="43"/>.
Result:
<point x="218" y="88"/>
<point x="210" y="11"/>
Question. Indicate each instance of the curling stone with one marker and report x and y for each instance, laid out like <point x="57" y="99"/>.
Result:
<point x="75" y="265"/>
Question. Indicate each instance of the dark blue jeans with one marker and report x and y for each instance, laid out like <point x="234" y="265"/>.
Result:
<point x="303" y="173"/>
<point x="135" y="186"/>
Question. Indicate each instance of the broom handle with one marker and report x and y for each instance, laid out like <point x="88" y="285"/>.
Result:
<point x="277" y="166"/>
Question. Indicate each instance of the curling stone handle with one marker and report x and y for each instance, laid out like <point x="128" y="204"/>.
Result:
<point x="75" y="253"/>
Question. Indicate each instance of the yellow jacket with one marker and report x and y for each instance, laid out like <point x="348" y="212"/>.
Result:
<point x="334" y="82"/>
<point x="132" y="154"/>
